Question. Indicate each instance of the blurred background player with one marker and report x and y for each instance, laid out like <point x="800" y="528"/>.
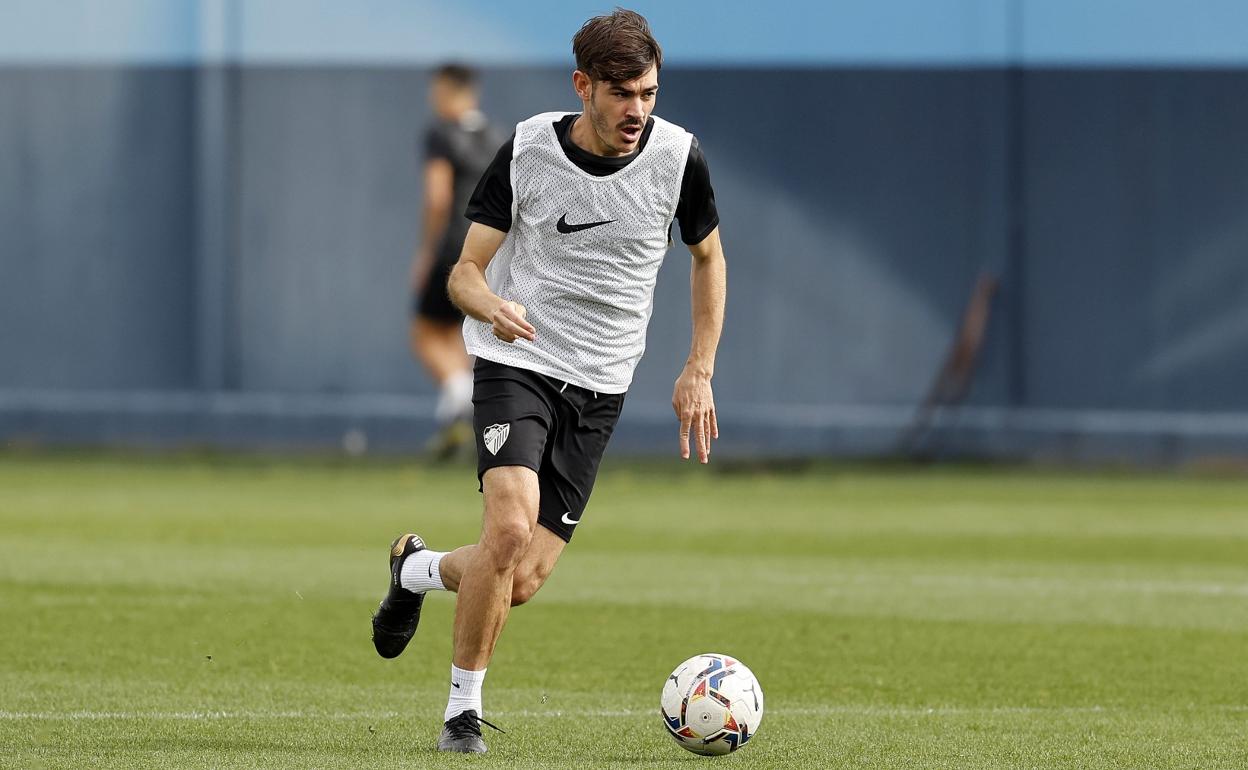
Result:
<point x="457" y="149"/>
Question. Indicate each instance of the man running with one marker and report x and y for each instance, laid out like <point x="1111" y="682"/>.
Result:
<point x="569" y="227"/>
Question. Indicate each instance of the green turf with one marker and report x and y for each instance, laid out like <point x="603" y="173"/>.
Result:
<point x="197" y="614"/>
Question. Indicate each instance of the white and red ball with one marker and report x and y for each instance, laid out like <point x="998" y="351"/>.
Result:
<point x="712" y="704"/>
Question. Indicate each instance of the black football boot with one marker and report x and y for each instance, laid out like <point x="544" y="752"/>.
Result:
<point x="462" y="734"/>
<point x="399" y="612"/>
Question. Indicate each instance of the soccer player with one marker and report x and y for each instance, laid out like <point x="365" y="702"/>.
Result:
<point x="569" y="226"/>
<point x="458" y="148"/>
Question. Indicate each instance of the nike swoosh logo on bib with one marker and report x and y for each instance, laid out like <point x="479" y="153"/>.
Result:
<point x="565" y="228"/>
<point x="567" y="519"/>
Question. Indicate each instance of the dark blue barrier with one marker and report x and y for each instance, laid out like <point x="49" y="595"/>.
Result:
<point x="243" y="234"/>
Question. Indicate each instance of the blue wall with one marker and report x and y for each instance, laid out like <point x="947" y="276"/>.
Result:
<point x="693" y="32"/>
<point x="96" y="228"/>
<point x="1136" y="257"/>
<point x="205" y="224"/>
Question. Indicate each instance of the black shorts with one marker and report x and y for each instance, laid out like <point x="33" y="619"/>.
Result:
<point x="559" y="430"/>
<point x="434" y="302"/>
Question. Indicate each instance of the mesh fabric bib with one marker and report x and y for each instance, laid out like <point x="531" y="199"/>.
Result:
<point x="582" y="256"/>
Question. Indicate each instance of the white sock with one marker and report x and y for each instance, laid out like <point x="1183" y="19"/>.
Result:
<point x="420" y="572"/>
<point x="461" y="393"/>
<point x="465" y="692"/>
<point x="455" y="400"/>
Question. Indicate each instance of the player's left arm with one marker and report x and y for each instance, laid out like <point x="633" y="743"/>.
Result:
<point x="693" y="399"/>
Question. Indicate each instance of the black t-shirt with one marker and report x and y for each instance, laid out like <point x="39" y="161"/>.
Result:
<point x="490" y="203"/>
<point x="467" y="145"/>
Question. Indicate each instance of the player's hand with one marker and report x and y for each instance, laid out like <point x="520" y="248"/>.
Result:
<point x="694" y="403"/>
<point x="509" y="323"/>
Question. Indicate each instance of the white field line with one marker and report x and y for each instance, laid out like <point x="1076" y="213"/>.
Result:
<point x="881" y="711"/>
<point x="1035" y="584"/>
<point x="1060" y="585"/>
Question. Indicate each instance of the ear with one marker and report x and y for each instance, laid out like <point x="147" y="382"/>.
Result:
<point x="582" y="85"/>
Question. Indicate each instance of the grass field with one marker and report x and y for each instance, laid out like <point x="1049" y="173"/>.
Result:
<point x="196" y="614"/>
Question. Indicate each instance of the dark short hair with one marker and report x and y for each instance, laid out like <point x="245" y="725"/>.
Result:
<point x="616" y="47"/>
<point x="458" y="75"/>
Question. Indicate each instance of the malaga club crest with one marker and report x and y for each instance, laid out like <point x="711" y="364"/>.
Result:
<point x="495" y="436"/>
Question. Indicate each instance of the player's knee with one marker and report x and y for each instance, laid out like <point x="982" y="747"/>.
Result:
<point x="505" y="543"/>
<point x="521" y="592"/>
<point x="525" y="586"/>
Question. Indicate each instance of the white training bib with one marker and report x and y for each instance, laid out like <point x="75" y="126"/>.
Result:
<point x="582" y="256"/>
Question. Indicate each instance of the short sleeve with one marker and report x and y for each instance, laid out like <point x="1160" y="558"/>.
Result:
<point x="490" y="203"/>
<point x="437" y="144"/>
<point x="696" y="210"/>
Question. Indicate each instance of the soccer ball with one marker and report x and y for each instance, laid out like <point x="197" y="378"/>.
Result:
<point x="712" y="704"/>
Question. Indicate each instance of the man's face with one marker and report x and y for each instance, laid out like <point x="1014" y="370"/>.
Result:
<point x="449" y="99"/>
<point x="439" y="95"/>
<point x="618" y="111"/>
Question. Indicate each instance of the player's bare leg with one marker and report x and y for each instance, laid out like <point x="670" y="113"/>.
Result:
<point x="439" y="346"/>
<point x="485" y="586"/>
<point x="415" y="570"/>
<point x="544" y="551"/>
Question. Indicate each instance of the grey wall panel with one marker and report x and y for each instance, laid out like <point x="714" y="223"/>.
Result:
<point x="95" y="227"/>
<point x="1137" y="239"/>
<point x="327" y="213"/>
<point x="858" y="208"/>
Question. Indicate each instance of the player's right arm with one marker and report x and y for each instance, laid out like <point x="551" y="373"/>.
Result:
<point x="471" y="294"/>
<point x="436" y="214"/>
